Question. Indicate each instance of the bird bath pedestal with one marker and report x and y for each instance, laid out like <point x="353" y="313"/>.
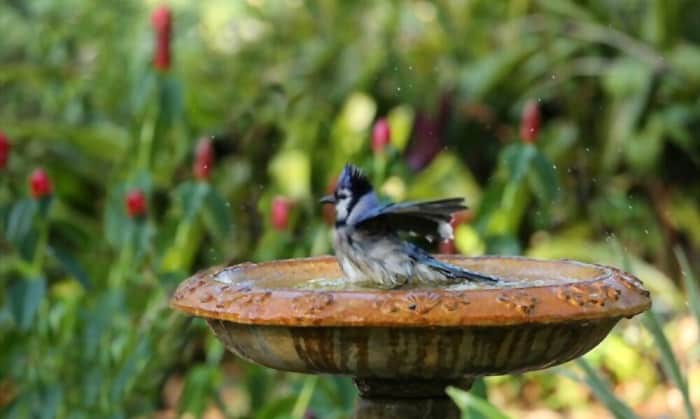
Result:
<point x="403" y="347"/>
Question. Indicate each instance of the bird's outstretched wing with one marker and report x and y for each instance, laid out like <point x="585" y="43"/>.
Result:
<point x="426" y="218"/>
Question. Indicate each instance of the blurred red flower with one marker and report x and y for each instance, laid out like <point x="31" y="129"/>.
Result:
<point x="5" y="147"/>
<point x="40" y="184"/>
<point x="161" y="20"/>
<point x="530" y="122"/>
<point x="381" y="135"/>
<point x="203" y="159"/>
<point x="135" y="203"/>
<point x="281" y="209"/>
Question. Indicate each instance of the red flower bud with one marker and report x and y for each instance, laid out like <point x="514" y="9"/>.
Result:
<point x="40" y="184"/>
<point x="135" y="203"/>
<point x="530" y="122"/>
<point x="4" y="150"/>
<point x="381" y="135"/>
<point x="203" y="159"/>
<point x="281" y="207"/>
<point x="161" y="20"/>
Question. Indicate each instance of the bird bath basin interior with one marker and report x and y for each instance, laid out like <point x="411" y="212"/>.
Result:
<point x="404" y="346"/>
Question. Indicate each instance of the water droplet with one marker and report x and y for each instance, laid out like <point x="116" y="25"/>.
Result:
<point x="588" y="150"/>
<point x="554" y="166"/>
<point x="646" y="231"/>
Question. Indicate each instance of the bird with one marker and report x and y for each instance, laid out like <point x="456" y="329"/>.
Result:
<point x="368" y="239"/>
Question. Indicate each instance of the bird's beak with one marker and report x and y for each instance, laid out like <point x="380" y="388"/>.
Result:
<point x="328" y="199"/>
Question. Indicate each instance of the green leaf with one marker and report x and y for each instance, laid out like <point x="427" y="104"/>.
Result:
<point x="71" y="266"/>
<point x="480" y="390"/>
<point x="25" y="297"/>
<point x="259" y="383"/>
<point x="200" y="384"/>
<point x="619" y="409"/>
<point x="170" y="100"/>
<point x="689" y="282"/>
<point x="190" y="198"/>
<point x="516" y="160"/>
<point x="116" y="221"/>
<point x="19" y="222"/>
<point x="128" y="369"/>
<point x="668" y="359"/>
<point x="217" y="215"/>
<point x="466" y="401"/>
<point x="302" y="402"/>
<point x="566" y="8"/>
<point x="278" y="409"/>
<point x="543" y="179"/>
<point x="51" y="398"/>
<point x="478" y="79"/>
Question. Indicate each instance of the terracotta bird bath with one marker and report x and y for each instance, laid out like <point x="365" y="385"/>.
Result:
<point x="403" y="347"/>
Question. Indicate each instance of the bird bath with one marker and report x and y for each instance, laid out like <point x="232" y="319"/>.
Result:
<point x="403" y="347"/>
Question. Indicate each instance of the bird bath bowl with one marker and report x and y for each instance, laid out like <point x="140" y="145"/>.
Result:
<point x="403" y="347"/>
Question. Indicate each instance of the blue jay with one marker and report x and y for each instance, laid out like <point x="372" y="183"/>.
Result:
<point x="367" y="242"/>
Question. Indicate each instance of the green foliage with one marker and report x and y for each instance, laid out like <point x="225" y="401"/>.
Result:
<point x="288" y="92"/>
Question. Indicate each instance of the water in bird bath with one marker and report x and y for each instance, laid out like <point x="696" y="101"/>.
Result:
<point x="328" y="277"/>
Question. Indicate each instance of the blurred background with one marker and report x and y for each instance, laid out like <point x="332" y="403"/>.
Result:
<point x="141" y="142"/>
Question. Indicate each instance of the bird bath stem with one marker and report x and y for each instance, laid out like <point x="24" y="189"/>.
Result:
<point x="403" y="347"/>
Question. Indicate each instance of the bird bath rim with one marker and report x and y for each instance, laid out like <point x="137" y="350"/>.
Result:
<point x="268" y="293"/>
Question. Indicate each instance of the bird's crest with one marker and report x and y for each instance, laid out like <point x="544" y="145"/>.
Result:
<point x="354" y="180"/>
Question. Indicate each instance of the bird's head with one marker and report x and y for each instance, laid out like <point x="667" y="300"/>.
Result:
<point x="352" y="186"/>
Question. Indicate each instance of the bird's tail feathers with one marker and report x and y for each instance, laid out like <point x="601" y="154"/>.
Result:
<point x="457" y="272"/>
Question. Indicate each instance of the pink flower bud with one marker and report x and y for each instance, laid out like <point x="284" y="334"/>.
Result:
<point x="161" y="20"/>
<point x="381" y="135"/>
<point x="40" y="184"/>
<point x="281" y="209"/>
<point x="5" y="147"/>
<point x="530" y="122"/>
<point x="203" y="159"/>
<point x="136" y="203"/>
